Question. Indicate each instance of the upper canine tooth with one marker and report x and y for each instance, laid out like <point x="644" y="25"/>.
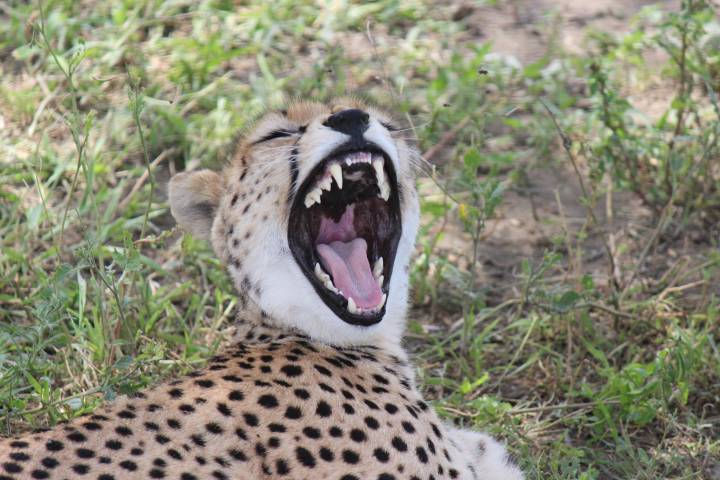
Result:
<point x="379" y="171"/>
<point x="381" y="280"/>
<point x="351" y="306"/>
<point x="336" y="172"/>
<point x="384" y="190"/>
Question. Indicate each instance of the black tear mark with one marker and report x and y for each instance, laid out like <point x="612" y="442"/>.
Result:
<point x="293" y="172"/>
<point x="273" y="135"/>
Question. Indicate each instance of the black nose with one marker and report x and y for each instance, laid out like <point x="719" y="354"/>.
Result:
<point x="352" y="122"/>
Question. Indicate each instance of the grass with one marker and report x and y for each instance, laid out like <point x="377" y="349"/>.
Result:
<point x="590" y="346"/>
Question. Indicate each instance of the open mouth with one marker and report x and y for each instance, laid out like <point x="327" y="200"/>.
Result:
<point x="344" y="230"/>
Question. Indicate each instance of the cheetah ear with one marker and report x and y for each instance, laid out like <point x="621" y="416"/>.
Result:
<point x="194" y="200"/>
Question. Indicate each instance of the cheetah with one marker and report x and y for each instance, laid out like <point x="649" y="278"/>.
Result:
<point x="315" y="216"/>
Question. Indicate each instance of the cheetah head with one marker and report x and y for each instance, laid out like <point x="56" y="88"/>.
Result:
<point x="316" y="217"/>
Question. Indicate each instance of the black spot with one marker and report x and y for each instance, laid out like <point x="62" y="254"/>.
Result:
<point x="350" y="457"/>
<point x="399" y="444"/>
<point x="421" y="454"/>
<point x="323" y="370"/>
<point x="19" y="444"/>
<point x="305" y="457"/>
<point x="175" y="393"/>
<point x="204" y="383"/>
<point x="188" y="476"/>
<point x="372" y="423"/>
<point x="157" y="473"/>
<point x="126" y="414"/>
<point x="77" y="437"/>
<point x="54" y="445"/>
<point x="335" y="432"/>
<point x="49" y="462"/>
<point x="152" y="426"/>
<point x="251" y="419"/>
<point x="381" y="454"/>
<point x="348" y="408"/>
<point x="268" y="401"/>
<point x="293" y="413"/>
<point x="224" y="410"/>
<point x="349" y="477"/>
<point x="113" y="444"/>
<point x="327" y="454"/>
<point x="281" y="467"/>
<point x="277" y="428"/>
<point x="323" y="409"/>
<point x="20" y="456"/>
<point x="391" y="409"/>
<point x="236" y="396"/>
<point x="40" y="474"/>
<point x="214" y="428"/>
<point x="237" y="455"/>
<point x="11" y="467"/>
<point x="123" y="431"/>
<point x="198" y="440"/>
<point x="186" y="408"/>
<point x="312" y="432"/>
<point x="84" y="453"/>
<point x="92" y="426"/>
<point x="105" y="476"/>
<point x="80" y="468"/>
<point x="385" y="476"/>
<point x="291" y="370"/>
<point x="408" y="427"/>
<point x="161" y="439"/>
<point x="301" y="393"/>
<point x="371" y="404"/>
<point x="380" y="379"/>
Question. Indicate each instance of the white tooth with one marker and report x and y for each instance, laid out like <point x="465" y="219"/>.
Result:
<point x="309" y="200"/>
<point x="378" y="267"/>
<point x="384" y="191"/>
<point x="336" y="172"/>
<point x="365" y="157"/>
<point x="351" y="306"/>
<point x="382" y="304"/>
<point x="381" y="280"/>
<point x="319" y="273"/>
<point x="328" y="284"/>
<point x="379" y="171"/>
<point x="325" y="183"/>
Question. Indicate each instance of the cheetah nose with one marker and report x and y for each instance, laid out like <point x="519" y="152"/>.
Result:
<point x="352" y="122"/>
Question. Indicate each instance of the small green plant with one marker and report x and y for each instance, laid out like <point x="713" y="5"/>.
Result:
<point x="671" y="160"/>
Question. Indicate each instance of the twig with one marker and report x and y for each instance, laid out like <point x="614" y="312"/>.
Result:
<point x="141" y="181"/>
<point x="567" y="144"/>
<point x="447" y="138"/>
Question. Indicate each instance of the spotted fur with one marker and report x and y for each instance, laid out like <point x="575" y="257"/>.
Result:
<point x="300" y="395"/>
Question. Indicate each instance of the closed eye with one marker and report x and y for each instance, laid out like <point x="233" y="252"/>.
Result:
<point x="389" y="126"/>
<point x="275" y="134"/>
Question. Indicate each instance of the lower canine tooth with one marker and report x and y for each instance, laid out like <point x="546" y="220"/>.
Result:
<point x="382" y="304"/>
<point x="381" y="280"/>
<point x="351" y="306"/>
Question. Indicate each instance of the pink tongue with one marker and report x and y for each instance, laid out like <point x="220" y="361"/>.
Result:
<point x="348" y="264"/>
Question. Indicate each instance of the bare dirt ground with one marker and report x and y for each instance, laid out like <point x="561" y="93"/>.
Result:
<point x="548" y="206"/>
